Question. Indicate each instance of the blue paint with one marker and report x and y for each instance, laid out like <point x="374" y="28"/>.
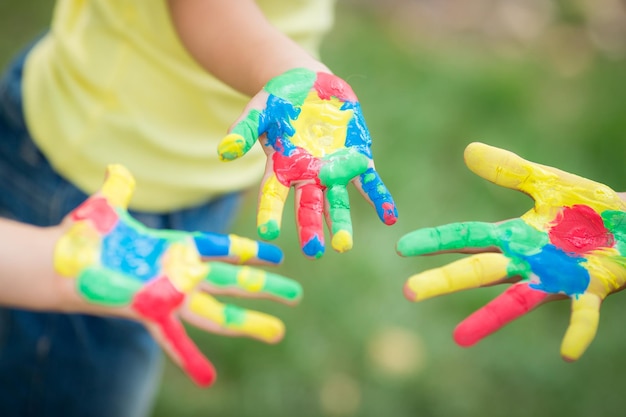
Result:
<point x="275" y="121"/>
<point x="270" y="253"/>
<point x="313" y="248"/>
<point x="212" y="244"/>
<point x="133" y="252"/>
<point x="558" y="272"/>
<point x="375" y="189"/>
<point x="357" y="136"/>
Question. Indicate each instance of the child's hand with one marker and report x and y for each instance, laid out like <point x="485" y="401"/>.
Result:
<point x="155" y="276"/>
<point x="312" y="129"/>
<point x="571" y="244"/>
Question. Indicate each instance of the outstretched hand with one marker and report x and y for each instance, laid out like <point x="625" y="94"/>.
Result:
<point x="571" y="244"/>
<point x="157" y="276"/>
<point x="314" y="134"/>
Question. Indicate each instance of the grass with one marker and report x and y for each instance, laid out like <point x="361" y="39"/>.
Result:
<point x="355" y="346"/>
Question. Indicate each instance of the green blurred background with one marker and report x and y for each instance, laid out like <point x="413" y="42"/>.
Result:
<point x="545" y="79"/>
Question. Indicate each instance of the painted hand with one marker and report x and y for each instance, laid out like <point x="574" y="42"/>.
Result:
<point x="157" y="276"/>
<point x="571" y="244"/>
<point x="313" y="132"/>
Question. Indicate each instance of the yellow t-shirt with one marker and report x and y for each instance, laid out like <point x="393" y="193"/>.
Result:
<point x="112" y="83"/>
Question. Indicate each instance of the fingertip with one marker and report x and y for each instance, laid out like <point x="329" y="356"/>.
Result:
<point x="270" y="253"/>
<point x="269" y="230"/>
<point x="314" y="248"/>
<point x="465" y="337"/>
<point x="231" y="147"/>
<point x="409" y="294"/>
<point x="342" y="241"/>
<point x="389" y="213"/>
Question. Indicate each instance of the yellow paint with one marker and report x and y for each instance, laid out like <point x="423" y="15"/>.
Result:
<point x="182" y="265"/>
<point x="583" y="326"/>
<point x="551" y="188"/>
<point x="321" y="127"/>
<point x="342" y="241"/>
<point x="466" y="273"/>
<point x="254" y="324"/>
<point x="118" y="186"/>
<point x="231" y="147"/>
<point x="607" y="269"/>
<point x="272" y="201"/>
<point x="244" y="249"/>
<point x="77" y="249"/>
<point x="250" y="279"/>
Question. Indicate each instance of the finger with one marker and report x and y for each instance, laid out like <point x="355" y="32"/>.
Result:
<point x="231" y="320"/>
<point x="157" y="302"/>
<point x="512" y="235"/>
<point x="236" y="248"/>
<point x="241" y="138"/>
<point x="582" y="327"/>
<point x="472" y="272"/>
<point x="244" y="280"/>
<point x="338" y="217"/>
<point x="271" y="205"/>
<point x="449" y="237"/>
<point x="516" y="301"/>
<point x="309" y="202"/>
<point x="118" y="186"/>
<point x="374" y="190"/>
<point x="190" y="358"/>
<point x="546" y="185"/>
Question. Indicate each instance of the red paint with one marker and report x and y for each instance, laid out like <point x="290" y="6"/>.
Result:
<point x="579" y="229"/>
<point x="328" y="85"/>
<point x="389" y="216"/>
<point x="516" y="301"/>
<point x="157" y="302"/>
<point x="99" y="211"/>
<point x="310" y="213"/>
<point x="298" y="166"/>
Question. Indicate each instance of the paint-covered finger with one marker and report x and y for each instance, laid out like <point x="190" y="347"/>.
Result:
<point x="271" y="205"/>
<point x="471" y="272"/>
<point x="235" y="320"/>
<point x="309" y="202"/>
<point x="449" y="237"/>
<point x="241" y="138"/>
<point x="374" y="190"/>
<point x="338" y="217"/>
<point x="582" y="327"/>
<point x="516" y="301"/>
<point x="118" y="186"/>
<point x="253" y="281"/>
<point x="157" y="302"/>
<point x="235" y="247"/>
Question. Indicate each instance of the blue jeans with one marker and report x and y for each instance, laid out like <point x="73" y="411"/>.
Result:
<point x="69" y="364"/>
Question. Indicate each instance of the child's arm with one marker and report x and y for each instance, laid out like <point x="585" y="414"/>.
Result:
<point x="27" y="277"/>
<point x="234" y="41"/>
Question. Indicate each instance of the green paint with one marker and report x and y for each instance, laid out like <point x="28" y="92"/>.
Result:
<point x="293" y="85"/>
<point x="342" y="166"/>
<point x="519" y="238"/>
<point x="513" y="237"/>
<point x="225" y="276"/>
<point x="106" y="287"/>
<point x="234" y="316"/>
<point x="247" y="131"/>
<point x="615" y="222"/>
<point x="339" y="203"/>
<point x="519" y="267"/>
<point x="269" y="230"/>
